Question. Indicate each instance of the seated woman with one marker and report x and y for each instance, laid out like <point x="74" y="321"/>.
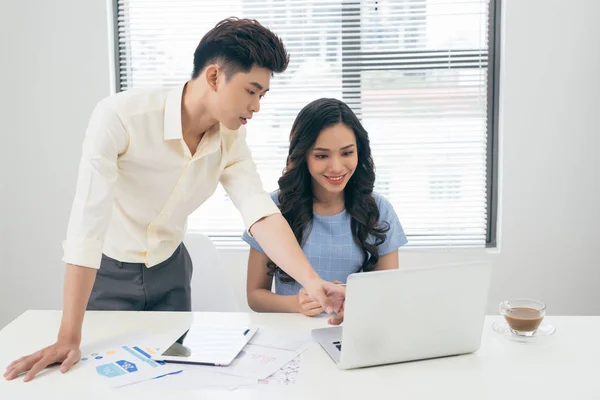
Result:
<point x="326" y="195"/>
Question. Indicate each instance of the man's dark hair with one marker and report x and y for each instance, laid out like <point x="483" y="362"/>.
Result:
<point x="239" y="44"/>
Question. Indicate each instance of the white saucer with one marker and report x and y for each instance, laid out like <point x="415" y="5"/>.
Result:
<point x="543" y="332"/>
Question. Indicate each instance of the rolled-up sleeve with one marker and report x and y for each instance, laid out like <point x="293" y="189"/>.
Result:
<point x="105" y="139"/>
<point x="241" y="181"/>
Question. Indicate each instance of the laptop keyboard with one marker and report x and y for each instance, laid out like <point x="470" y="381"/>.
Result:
<point x="338" y="345"/>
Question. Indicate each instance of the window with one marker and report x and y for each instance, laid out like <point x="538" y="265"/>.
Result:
<point x="421" y="75"/>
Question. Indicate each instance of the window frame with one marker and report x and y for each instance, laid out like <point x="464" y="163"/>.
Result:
<point x="379" y="61"/>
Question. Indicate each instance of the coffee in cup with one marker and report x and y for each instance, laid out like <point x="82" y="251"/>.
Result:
<point x="522" y="315"/>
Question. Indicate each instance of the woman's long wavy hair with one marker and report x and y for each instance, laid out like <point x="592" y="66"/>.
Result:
<point x="295" y="185"/>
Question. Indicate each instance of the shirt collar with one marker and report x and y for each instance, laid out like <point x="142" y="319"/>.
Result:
<point x="173" y="128"/>
<point x="172" y="122"/>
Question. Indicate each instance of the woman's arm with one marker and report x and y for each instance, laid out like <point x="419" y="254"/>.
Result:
<point x="387" y="261"/>
<point x="258" y="287"/>
<point x="262" y="299"/>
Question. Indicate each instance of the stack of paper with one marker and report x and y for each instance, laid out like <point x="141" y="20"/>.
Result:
<point x="268" y="351"/>
<point x="271" y="357"/>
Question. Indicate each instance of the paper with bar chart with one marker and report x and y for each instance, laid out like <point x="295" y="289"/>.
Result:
<point x="127" y="360"/>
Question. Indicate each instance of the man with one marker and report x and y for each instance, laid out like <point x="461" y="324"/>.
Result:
<point x="150" y="158"/>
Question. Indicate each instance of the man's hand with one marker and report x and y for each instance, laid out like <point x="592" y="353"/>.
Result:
<point x="308" y="307"/>
<point x="339" y="317"/>
<point x="329" y="295"/>
<point x="63" y="351"/>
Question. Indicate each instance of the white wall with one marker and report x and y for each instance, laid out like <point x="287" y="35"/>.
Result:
<point x="55" y="67"/>
<point x="550" y="180"/>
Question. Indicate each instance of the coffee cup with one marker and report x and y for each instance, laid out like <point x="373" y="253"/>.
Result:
<point x="523" y="316"/>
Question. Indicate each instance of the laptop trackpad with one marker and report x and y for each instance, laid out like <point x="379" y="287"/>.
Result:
<point x="330" y="339"/>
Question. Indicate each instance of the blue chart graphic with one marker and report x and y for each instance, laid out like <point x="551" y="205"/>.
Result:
<point x="126" y="360"/>
<point x="109" y="370"/>
<point x="125" y="366"/>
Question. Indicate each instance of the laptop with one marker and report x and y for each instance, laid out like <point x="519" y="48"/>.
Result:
<point x="409" y="314"/>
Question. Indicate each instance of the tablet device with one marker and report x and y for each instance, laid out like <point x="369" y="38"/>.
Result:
<point x="208" y="344"/>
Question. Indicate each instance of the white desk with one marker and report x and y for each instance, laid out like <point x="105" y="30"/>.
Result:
<point x="567" y="366"/>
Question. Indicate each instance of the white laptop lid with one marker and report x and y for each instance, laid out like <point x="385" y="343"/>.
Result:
<point x="411" y="314"/>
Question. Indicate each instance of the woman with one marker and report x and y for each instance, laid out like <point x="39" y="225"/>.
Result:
<point x="326" y="195"/>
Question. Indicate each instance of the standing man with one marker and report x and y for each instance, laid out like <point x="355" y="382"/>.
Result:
<point x="150" y="158"/>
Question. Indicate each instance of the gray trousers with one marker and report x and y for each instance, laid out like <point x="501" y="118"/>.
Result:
<point x="126" y="286"/>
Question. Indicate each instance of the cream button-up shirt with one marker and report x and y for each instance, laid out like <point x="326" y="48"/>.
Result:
<point x="138" y="182"/>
